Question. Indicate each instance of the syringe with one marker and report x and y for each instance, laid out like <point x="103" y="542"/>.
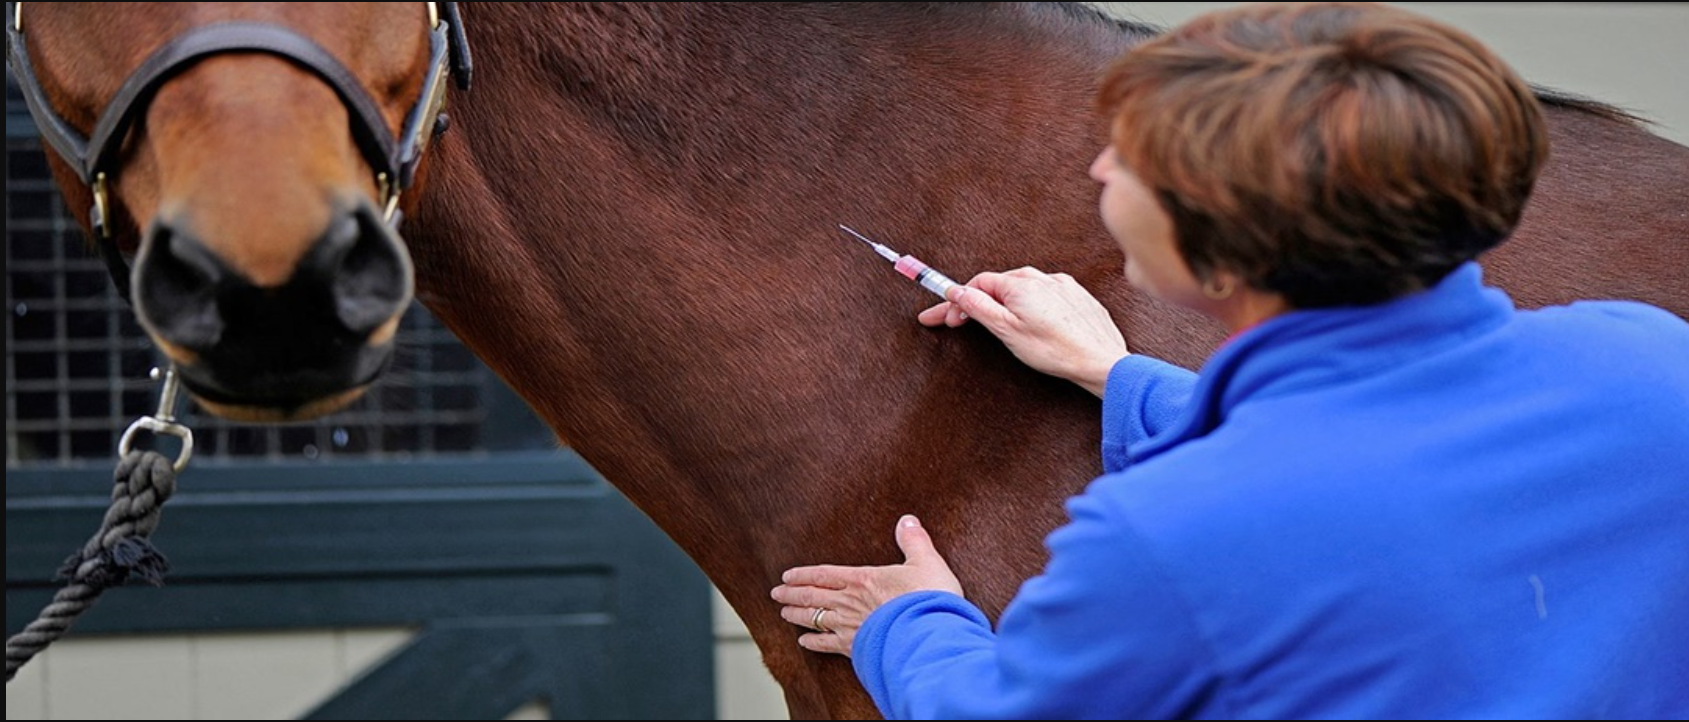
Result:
<point x="910" y="266"/>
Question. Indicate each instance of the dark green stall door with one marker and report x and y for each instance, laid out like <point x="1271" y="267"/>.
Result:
<point x="527" y="577"/>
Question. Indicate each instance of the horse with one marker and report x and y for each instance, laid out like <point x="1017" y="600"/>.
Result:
<point x="632" y="217"/>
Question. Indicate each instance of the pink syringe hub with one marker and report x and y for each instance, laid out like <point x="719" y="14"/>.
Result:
<point x="910" y="266"/>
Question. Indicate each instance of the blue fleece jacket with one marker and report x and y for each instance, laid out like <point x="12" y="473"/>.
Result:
<point x="1439" y="507"/>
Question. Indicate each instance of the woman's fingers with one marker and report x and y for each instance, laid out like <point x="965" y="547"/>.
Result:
<point x="956" y="316"/>
<point x="980" y="300"/>
<point x="805" y="616"/>
<point x="803" y="596"/>
<point x="829" y="576"/>
<point x="946" y="313"/>
<point x="832" y="643"/>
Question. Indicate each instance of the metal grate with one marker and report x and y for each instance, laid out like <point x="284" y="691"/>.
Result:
<point x="77" y="362"/>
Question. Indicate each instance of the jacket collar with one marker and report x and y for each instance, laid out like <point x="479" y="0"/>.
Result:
<point x="1314" y="348"/>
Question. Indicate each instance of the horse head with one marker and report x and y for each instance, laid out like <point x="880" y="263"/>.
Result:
<point x="249" y="159"/>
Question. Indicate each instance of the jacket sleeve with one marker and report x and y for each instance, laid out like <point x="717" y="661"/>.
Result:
<point x="1143" y="396"/>
<point x="1076" y="642"/>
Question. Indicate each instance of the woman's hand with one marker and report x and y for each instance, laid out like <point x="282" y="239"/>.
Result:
<point x="833" y="600"/>
<point x="1049" y="321"/>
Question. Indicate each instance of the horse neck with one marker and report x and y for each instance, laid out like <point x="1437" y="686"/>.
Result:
<point x="634" y="223"/>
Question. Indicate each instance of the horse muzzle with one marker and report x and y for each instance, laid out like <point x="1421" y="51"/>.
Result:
<point x="306" y="347"/>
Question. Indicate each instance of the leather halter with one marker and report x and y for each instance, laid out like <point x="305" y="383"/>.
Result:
<point x="95" y="157"/>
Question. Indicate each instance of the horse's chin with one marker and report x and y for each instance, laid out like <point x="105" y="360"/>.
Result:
<point x="242" y="393"/>
<point x="268" y="414"/>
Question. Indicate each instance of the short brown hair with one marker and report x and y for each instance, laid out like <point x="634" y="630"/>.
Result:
<point x="1335" y="153"/>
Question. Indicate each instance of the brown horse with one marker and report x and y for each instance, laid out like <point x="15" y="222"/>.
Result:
<point x="633" y="219"/>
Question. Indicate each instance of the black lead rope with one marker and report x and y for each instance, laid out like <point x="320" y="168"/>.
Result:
<point x="120" y="551"/>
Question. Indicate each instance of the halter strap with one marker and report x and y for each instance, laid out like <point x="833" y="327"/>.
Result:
<point x="94" y="157"/>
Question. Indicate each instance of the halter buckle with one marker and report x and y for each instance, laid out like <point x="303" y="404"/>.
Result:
<point x="100" y="214"/>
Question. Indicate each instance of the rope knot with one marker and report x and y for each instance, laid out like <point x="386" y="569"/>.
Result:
<point x="112" y="566"/>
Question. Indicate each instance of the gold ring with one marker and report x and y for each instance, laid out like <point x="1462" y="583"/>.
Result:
<point x="815" y="621"/>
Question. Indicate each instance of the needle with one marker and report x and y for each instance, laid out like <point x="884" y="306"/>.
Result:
<point x="909" y="266"/>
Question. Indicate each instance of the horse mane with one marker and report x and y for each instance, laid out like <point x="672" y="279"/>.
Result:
<point x="1555" y="98"/>
<point x="1088" y="12"/>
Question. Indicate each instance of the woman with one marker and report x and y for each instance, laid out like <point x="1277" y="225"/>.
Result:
<point x="1389" y="493"/>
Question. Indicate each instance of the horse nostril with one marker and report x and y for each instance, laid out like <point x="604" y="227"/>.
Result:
<point x="369" y="268"/>
<point x="355" y="278"/>
<point x="175" y="288"/>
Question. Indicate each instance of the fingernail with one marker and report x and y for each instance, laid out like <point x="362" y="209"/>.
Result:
<point x="786" y="576"/>
<point x="910" y="521"/>
<point x="955" y="293"/>
<point x="963" y="315"/>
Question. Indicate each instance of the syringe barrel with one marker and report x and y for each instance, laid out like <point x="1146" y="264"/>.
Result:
<point x="923" y="274"/>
